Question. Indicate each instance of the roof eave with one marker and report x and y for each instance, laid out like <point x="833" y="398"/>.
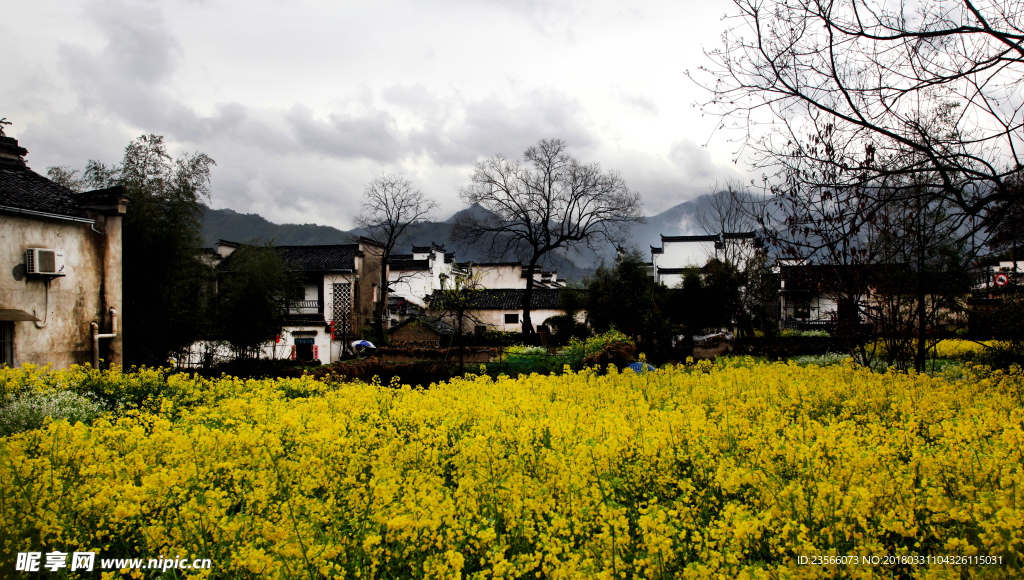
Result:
<point x="35" y="213"/>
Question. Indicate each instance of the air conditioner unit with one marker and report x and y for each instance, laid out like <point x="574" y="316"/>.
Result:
<point x="44" y="262"/>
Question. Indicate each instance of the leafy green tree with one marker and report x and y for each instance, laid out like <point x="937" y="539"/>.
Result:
<point x="253" y="295"/>
<point x="710" y="298"/>
<point x="624" y="297"/>
<point x="163" y="276"/>
<point x="572" y="301"/>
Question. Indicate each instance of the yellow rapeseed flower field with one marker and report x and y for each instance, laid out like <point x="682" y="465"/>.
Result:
<point x="730" y="470"/>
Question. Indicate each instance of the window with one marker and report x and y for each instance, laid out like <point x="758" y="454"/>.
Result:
<point x="802" y="309"/>
<point x="7" y="343"/>
<point x="376" y="293"/>
<point x="512" y="318"/>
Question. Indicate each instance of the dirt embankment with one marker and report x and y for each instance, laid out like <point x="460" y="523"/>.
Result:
<point x="416" y="373"/>
<point x="619" y="354"/>
<point x="472" y="354"/>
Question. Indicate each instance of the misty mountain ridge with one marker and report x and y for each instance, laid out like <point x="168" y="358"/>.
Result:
<point x="227" y="224"/>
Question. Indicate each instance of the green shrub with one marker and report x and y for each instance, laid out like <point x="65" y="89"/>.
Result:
<point x="818" y="333"/>
<point x="830" y="358"/>
<point x="577" y="350"/>
<point x="29" y="410"/>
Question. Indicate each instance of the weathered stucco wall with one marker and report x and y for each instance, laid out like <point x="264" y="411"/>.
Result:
<point x="369" y="268"/>
<point x="503" y="276"/>
<point x="495" y="319"/>
<point x="91" y="286"/>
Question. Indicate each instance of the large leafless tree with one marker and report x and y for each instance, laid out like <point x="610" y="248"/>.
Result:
<point x="548" y="201"/>
<point x="857" y="85"/>
<point x="728" y="212"/>
<point x="391" y="205"/>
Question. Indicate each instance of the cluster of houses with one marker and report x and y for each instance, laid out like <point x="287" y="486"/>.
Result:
<point x="60" y="288"/>
<point x="342" y="296"/>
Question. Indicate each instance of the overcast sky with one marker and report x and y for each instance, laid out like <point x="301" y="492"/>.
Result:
<point x="302" y="103"/>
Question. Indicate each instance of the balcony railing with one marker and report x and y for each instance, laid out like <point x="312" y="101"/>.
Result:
<point x="305" y="307"/>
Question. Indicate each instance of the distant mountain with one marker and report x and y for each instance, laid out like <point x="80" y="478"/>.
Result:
<point x="227" y="224"/>
<point x="239" y="227"/>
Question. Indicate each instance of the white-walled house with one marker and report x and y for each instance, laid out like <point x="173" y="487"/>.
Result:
<point x="501" y="309"/>
<point x="341" y="294"/>
<point x="512" y="275"/>
<point x="678" y="254"/>
<point x="414" y="276"/>
<point x="61" y="255"/>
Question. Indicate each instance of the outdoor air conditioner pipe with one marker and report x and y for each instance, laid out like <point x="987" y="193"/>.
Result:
<point x="96" y="336"/>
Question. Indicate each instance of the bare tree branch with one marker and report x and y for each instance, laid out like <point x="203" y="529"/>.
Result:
<point x="390" y="206"/>
<point x="549" y="201"/>
<point x="728" y="212"/>
<point x="874" y="76"/>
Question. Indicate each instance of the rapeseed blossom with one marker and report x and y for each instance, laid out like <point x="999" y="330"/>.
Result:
<point x="736" y="470"/>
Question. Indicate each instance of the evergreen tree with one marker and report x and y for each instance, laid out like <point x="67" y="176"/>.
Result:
<point x="164" y="278"/>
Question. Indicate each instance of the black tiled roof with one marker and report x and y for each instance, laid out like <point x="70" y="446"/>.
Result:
<point x="328" y="258"/>
<point x="405" y="265"/>
<point x="22" y="188"/>
<point x="108" y="196"/>
<point x="741" y="236"/>
<point x="512" y="299"/>
<point x="320" y="258"/>
<point x="689" y="239"/>
<point x="303" y="319"/>
<point x="675" y="270"/>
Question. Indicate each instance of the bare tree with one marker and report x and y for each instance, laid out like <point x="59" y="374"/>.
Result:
<point x="874" y="76"/>
<point x="922" y="282"/>
<point x="550" y="201"/>
<point x="828" y="232"/>
<point x="728" y="212"/>
<point x="456" y="303"/>
<point x="390" y="207"/>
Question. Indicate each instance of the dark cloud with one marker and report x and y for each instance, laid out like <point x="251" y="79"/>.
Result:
<point x="483" y="128"/>
<point x="694" y="161"/>
<point x="343" y="136"/>
<point x="139" y="46"/>
<point x="128" y="77"/>
<point x="289" y="160"/>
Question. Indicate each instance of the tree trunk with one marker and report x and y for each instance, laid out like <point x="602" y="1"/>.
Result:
<point x="921" y="319"/>
<point x="527" y="298"/>
<point x="462" y="346"/>
<point x="382" y="304"/>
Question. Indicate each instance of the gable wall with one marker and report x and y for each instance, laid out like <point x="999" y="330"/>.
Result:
<point x="91" y="286"/>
